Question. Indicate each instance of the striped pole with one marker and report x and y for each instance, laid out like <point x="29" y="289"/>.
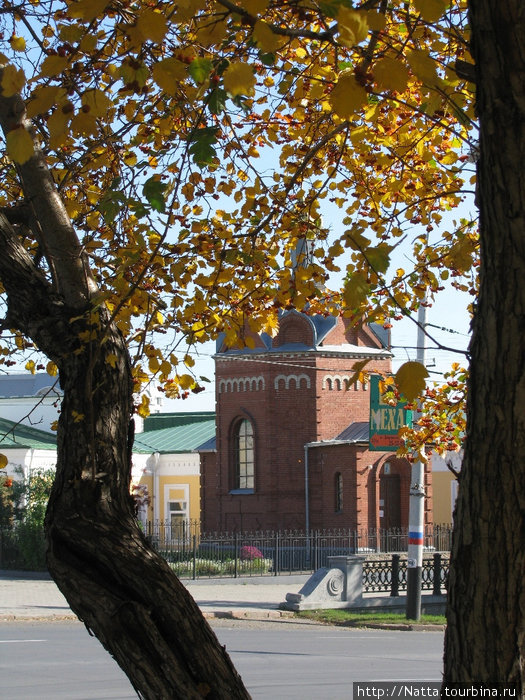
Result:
<point x="415" y="541"/>
<point x="416" y="511"/>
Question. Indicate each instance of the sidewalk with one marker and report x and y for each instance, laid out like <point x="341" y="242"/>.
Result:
<point x="34" y="596"/>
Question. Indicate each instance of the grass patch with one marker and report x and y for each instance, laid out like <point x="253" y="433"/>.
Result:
<point x="362" y="619"/>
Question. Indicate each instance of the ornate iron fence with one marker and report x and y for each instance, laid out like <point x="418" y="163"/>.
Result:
<point x="194" y="554"/>
<point x="389" y="575"/>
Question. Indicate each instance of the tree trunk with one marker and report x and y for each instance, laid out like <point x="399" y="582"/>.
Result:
<point x="118" y="586"/>
<point x="122" y="590"/>
<point x="485" y="638"/>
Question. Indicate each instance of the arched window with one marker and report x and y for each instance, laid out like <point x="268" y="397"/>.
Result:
<point x="244" y="456"/>
<point x="338" y="492"/>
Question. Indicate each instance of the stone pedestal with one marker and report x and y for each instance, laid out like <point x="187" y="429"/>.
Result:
<point x="340" y="585"/>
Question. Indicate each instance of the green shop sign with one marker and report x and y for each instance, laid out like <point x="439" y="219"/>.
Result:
<point x="385" y="420"/>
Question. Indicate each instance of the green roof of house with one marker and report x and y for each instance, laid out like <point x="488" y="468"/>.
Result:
<point x="157" y="421"/>
<point x="15" y="435"/>
<point x="179" y="438"/>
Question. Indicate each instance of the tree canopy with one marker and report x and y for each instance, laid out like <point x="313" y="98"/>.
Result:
<point x="194" y="144"/>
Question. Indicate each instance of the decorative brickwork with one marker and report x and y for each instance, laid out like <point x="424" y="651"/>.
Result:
<point x="296" y="392"/>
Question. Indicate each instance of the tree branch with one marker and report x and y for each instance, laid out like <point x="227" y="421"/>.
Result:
<point x="32" y="306"/>
<point x="61" y="247"/>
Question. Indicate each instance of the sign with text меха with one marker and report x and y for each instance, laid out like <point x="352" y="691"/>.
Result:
<point x="385" y="420"/>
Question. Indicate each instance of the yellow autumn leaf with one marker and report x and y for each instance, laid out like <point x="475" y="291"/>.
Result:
<point x="52" y="369"/>
<point x="84" y="124"/>
<point x="18" y="43"/>
<point x="53" y="65"/>
<point x="352" y="25"/>
<point x="143" y="408"/>
<point x="430" y="10"/>
<point x="3" y="461"/>
<point x="152" y="25"/>
<point x="30" y="366"/>
<point x="134" y="73"/>
<point x="255" y="7"/>
<point x="43" y="99"/>
<point x="265" y="38"/>
<point x="19" y="145"/>
<point x="376" y="20"/>
<point x="169" y="73"/>
<point x="97" y="102"/>
<point x="186" y="381"/>
<point x="189" y="361"/>
<point x="210" y="34"/>
<point x="165" y="368"/>
<point x="391" y="74"/>
<point x="111" y="360"/>
<point x="356" y="290"/>
<point x="88" y="43"/>
<point x="13" y="80"/>
<point x="410" y="379"/>
<point x="87" y="10"/>
<point x="423" y="65"/>
<point x="239" y="79"/>
<point x="57" y="125"/>
<point x="153" y="365"/>
<point x="77" y="417"/>
<point x="347" y="97"/>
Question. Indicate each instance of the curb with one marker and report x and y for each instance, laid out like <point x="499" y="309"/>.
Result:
<point x="247" y="614"/>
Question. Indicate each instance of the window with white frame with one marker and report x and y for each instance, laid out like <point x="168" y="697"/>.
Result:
<point x="243" y="456"/>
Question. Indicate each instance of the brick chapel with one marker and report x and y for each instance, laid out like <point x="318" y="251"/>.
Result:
<point x="291" y="448"/>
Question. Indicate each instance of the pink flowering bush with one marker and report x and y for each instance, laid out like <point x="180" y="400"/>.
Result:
<point x="250" y="553"/>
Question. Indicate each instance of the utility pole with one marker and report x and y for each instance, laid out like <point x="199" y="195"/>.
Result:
<point x="416" y="513"/>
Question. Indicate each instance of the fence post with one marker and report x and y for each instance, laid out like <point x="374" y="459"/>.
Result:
<point x="394" y="582"/>
<point x="236" y="545"/>
<point x="437" y="574"/>
<point x="194" y="566"/>
<point x="276" y="554"/>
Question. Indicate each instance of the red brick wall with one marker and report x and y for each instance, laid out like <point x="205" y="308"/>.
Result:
<point x="293" y="399"/>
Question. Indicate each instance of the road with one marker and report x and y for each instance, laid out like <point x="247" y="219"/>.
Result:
<point x="277" y="660"/>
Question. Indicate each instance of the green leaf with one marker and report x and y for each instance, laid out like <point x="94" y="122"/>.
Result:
<point x="200" y="69"/>
<point x="331" y="8"/>
<point x="153" y="190"/>
<point x="267" y="59"/>
<point x="379" y="258"/>
<point x="217" y="100"/>
<point x="110" y="205"/>
<point x="202" y="149"/>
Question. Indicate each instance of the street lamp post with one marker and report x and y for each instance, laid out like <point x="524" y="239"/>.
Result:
<point x="416" y="513"/>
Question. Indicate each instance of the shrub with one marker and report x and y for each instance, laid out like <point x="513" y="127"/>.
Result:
<point x="214" y="567"/>
<point x="250" y="553"/>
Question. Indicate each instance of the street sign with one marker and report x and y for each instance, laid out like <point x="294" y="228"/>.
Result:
<point x="385" y="420"/>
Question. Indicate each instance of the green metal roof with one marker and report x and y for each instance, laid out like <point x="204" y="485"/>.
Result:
<point x="180" y="438"/>
<point x="15" y="435"/>
<point x="157" y="421"/>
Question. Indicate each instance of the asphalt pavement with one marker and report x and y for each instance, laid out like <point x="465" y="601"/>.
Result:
<point x="35" y="596"/>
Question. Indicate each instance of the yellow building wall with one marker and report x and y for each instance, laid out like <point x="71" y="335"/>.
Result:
<point x="444" y="485"/>
<point x="184" y="489"/>
<point x="180" y="488"/>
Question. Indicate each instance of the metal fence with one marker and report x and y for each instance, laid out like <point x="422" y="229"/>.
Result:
<point x="23" y="547"/>
<point x="390" y="575"/>
<point x="195" y="554"/>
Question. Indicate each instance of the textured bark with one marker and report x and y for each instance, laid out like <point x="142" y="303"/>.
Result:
<point x="485" y="639"/>
<point x="121" y="589"/>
